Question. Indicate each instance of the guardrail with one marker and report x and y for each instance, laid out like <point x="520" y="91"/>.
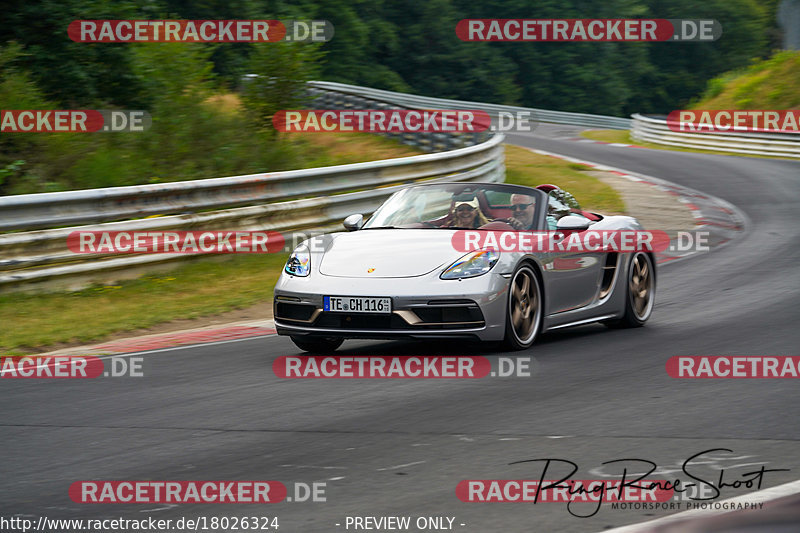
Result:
<point x="655" y="130"/>
<point x="47" y="210"/>
<point x="428" y="141"/>
<point x="41" y="259"/>
<point x="415" y="101"/>
<point x="280" y="201"/>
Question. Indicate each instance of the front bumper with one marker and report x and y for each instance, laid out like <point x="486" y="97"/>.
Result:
<point x="422" y="307"/>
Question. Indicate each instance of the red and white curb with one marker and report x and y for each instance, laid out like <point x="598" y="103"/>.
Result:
<point x="175" y="339"/>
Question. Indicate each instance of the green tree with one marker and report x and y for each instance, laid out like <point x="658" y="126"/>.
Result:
<point x="74" y="74"/>
<point x="677" y="72"/>
<point x="282" y="70"/>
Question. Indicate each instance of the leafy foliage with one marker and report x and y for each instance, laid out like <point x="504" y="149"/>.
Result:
<point x="412" y="46"/>
<point x="770" y="84"/>
<point x="193" y="134"/>
<point x="283" y="69"/>
<point x="390" y="44"/>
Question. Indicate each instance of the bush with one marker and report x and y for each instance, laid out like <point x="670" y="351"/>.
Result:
<point x="197" y="130"/>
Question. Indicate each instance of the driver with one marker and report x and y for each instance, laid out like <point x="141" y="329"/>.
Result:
<point x="521" y="212"/>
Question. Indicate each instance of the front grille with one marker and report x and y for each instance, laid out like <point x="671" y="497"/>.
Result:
<point x="359" y="321"/>
<point x="433" y="318"/>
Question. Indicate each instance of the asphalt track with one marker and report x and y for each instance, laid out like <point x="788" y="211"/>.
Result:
<point x="399" y="447"/>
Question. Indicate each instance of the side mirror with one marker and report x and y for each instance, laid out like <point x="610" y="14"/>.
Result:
<point x="572" y="223"/>
<point x="353" y="222"/>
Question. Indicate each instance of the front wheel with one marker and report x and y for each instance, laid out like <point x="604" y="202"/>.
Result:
<point x="524" y="312"/>
<point x="640" y="293"/>
<point x="318" y="344"/>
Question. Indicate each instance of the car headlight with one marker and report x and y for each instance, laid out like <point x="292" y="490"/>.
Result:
<point x="299" y="263"/>
<point x="471" y="265"/>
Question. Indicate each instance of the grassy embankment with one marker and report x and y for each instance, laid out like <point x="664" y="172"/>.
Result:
<point x="770" y="84"/>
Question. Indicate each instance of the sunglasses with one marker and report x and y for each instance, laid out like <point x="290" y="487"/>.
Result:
<point x="520" y="207"/>
<point x="465" y="208"/>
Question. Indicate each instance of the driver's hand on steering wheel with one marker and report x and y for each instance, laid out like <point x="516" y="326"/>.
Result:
<point x="514" y="223"/>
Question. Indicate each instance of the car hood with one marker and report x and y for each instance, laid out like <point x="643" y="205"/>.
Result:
<point x="389" y="253"/>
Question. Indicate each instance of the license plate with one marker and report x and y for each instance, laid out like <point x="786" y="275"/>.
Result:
<point x="357" y="304"/>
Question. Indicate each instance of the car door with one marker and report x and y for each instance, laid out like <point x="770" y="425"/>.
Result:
<point x="573" y="275"/>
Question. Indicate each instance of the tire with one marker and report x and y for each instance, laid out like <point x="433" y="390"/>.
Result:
<point x="524" y="310"/>
<point x="640" y="293"/>
<point x="318" y="344"/>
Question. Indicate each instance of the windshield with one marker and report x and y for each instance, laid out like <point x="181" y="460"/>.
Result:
<point x="457" y="206"/>
<point x="560" y="203"/>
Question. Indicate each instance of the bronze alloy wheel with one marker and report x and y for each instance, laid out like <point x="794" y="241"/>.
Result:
<point x="640" y="286"/>
<point x="524" y="308"/>
<point x="640" y="296"/>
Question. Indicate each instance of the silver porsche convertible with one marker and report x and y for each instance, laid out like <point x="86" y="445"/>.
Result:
<point x="401" y="274"/>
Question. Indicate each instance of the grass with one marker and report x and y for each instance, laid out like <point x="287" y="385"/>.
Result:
<point x="773" y="83"/>
<point x="200" y="288"/>
<point x="211" y="286"/>
<point x="351" y="147"/>
<point x="327" y="149"/>
<point x="609" y="136"/>
<point x="213" y="138"/>
<point x="524" y="167"/>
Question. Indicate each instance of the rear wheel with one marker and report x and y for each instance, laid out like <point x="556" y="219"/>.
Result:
<point x="318" y="344"/>
<point x="640" y="297"/>
<point x="524" y="312"/>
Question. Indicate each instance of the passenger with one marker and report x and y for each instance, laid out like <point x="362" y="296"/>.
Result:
<point x="467" y="214"/>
